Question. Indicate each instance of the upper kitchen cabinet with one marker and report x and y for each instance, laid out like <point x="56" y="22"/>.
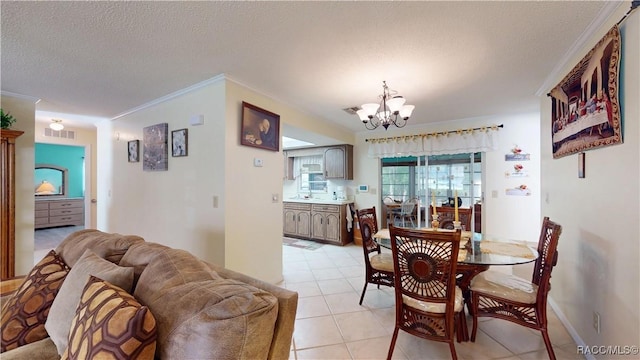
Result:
<point x="338" y="162"/>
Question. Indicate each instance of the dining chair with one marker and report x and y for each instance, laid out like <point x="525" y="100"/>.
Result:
<point x="446" y="215"/>
<point x="428" y="302"/>
<point x="379" y="266"/>
<point x="514" y="299"/>
<point x="407" y="212"/>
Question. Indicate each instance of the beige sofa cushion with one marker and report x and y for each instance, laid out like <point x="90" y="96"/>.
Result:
<point x="107" y="246"/>
<point x="110" y="324"/>
<point x="64" y="306"/>
<point x="199" y="314"/>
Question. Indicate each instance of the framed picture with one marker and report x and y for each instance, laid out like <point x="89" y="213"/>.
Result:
<point x="133" y="152"/>
<point x="259" y="128"/>
<point x="585" y="111"/>
<point x="155" y="149"/>
<point x="581" y="165"/>
<point x="179" y="142"/>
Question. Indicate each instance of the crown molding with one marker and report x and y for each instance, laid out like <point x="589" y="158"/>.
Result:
<point x="600" y="20"/>
<point x="173" y="95"/>
<point x="35" y="100"/>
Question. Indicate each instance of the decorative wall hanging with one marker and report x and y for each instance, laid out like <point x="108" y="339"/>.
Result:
<point x="517" y="170"/>
<point x="584" y="112"/>
<point x="133" y="150"/>
<point x="522" y="190"/>
<point x="179" y="142"/>
<point x="260" y="128"/>
<point x="517" y="155"/>
<point x="155" y="148"/>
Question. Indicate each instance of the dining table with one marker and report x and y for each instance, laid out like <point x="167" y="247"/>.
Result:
<point x="477" y="253"/>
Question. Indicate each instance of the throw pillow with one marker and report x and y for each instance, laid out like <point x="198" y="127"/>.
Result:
<point x="25" y="312"/>
<point x="110" y="324"/>
<point x="64" y="306"/>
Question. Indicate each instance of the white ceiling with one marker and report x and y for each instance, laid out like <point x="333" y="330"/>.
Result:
<point x="452" y="60"/>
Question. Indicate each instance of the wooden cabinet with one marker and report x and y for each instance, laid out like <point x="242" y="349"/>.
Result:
<point x="320" y="222"/>
<point x="296" y="219"/>
<point x="326" y="223"/>
<point x="477" y="218"/>
<point x="8" y="196"/>
<point x="338" y="162"/>
<point x="59" y="212"/>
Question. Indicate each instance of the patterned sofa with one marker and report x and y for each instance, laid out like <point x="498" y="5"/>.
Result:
<point x="191" y="308"/>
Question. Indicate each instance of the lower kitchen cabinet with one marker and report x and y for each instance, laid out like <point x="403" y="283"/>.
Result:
<point x="325" y="223"/>
<point x="296" y="220"/>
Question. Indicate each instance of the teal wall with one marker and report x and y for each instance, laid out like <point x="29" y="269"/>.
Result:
<point x="70" y="157"/>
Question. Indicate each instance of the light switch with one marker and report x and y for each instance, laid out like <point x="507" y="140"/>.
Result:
<point x="257" y="162"/>
<point x="215" y="202"/>
<point x="494" y="193"/>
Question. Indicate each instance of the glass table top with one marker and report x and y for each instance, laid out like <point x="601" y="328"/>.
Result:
<point x="480" y="249"/>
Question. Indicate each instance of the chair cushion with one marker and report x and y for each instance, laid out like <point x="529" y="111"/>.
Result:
<point x="25" y="312"/>
<point x="382" y="262"/>
<point x="435" y="307"/>
<point x="110" y="324"/>
<point x="64" y="306"/>
<point x="505" y="286"/>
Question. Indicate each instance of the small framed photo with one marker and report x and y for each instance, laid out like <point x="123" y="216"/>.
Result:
<point x="179" y="142"/>
<point x="581" y="165"/>
<point x="133" y="152"/>
<point x="260" y="128"/>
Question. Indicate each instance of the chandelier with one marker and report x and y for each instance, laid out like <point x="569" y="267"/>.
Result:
<point x="390" y="111"/>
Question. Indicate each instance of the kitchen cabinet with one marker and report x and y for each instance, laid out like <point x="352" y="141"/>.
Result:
<point x="338" y="162"/>
<point x="326" y="223"/>
<point x="59" y="212"/>
<point x="296" y="219"/>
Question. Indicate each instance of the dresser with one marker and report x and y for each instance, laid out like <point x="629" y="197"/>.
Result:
<point x="59" y="212"/>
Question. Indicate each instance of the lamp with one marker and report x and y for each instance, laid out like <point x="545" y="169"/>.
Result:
<point x="45" y="188"/>
<point x="393" y="111"/>
<point x="56" y="125"/>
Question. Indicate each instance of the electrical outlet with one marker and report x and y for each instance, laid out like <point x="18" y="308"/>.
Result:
<point x="596" y="322"/>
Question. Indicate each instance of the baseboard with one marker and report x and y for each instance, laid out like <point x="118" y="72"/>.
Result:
<point x="572" y="331"/>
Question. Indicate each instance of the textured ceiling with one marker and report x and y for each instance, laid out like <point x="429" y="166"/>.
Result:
<point x="451" y="59"/>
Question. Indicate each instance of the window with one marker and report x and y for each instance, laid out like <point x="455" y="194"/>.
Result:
<point x="311" y="176"/>
<point x="414" y="177"/>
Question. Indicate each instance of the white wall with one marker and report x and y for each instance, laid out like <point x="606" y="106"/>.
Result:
<point x="497" y="213"/>
<point x="176" y="207"/>
<point x="84" y="137"/>
<point x="173" y="207"/>
<point x="24" y="110"/>
<point x="599" y="247"/>
<point x="253" y="224"/>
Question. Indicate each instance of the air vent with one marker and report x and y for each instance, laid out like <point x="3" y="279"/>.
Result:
<point x="352" y="110"/>
<point x="63" y="134"/>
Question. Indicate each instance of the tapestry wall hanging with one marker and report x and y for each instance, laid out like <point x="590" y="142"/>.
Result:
<point x="155" y="149"/>
<point x="585" y="111"/>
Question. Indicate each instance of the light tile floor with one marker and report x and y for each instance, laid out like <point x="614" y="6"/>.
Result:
<point x="331" y="325"/>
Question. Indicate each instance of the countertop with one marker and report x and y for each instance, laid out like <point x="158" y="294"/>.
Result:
<point x="319" y="201"/>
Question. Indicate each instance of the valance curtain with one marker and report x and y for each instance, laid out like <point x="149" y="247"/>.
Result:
<point x="299" y="161"/>
<point x="453" y="142"/>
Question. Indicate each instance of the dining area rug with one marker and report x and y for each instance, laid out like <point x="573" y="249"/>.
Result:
<point x="302" y="244"/>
